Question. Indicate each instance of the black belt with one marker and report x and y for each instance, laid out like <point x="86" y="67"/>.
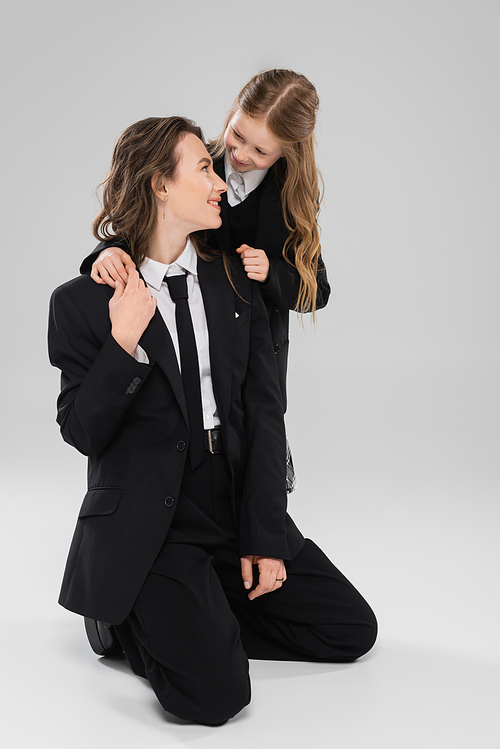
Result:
<point x="213" y="440"/>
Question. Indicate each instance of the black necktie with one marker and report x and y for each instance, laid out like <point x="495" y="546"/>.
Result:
<point x="190" y="372"/>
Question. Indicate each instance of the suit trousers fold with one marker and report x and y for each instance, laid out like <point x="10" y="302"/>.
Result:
<point x="195" y="628"/>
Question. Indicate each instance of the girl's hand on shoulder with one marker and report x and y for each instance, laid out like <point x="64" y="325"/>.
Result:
<point x="255" y="262"/>
<point x="130" y="309"/>
<point x="112" y="265"/>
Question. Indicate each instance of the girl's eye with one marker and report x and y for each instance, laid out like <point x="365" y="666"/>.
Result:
<point x="237" y="135"/>
<point x="261" y="153"/>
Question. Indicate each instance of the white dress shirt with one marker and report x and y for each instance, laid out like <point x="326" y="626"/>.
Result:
<point x="153" y="273"/>
<point x="251" y="180"/>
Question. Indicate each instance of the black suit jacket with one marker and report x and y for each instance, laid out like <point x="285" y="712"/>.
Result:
<point x="281" y="289"/>
<point x="130" y="420"/>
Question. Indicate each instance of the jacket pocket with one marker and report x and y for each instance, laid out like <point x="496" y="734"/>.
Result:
<point x="103" y="500"/>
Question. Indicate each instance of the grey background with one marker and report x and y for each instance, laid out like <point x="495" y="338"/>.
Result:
<point x="393" y="398"/>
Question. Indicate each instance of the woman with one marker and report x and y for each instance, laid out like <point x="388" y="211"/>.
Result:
<point x="270" y="220"/>
<point x="183" y="544"/>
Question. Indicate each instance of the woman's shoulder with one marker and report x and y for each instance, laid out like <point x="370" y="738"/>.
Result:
<point x="80" y="285"/>
<point x="81" y="292"/>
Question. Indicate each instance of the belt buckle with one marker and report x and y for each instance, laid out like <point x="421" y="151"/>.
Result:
<point x="214" y="443"/>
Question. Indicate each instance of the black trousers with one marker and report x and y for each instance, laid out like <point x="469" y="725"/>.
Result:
<point x="192" y="628"/>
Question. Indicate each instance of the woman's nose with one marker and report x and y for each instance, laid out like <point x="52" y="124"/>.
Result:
<point x="220" y="185"/>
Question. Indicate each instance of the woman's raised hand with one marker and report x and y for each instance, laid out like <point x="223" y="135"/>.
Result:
<point x="130" y="309"/>
<point x="255" y="262"/>
<point x="112" y="265"/>
<point x="272" y="574"/>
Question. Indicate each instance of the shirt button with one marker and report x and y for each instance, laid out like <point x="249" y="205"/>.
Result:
<point x="181" y="445"/>
<point x="207" y="416"/>
<point x="169" y="501"/>
<point x="276" y="349"/>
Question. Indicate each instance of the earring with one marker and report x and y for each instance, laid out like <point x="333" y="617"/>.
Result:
<point x="164" y="209"/>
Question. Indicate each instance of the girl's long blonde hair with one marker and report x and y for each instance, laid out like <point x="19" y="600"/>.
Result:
<point x="287" y="102"/>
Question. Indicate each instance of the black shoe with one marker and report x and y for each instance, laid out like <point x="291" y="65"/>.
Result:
<point x="102" y="637"/>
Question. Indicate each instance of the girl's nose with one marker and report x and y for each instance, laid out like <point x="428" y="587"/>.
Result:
<point x="241" y="156"/>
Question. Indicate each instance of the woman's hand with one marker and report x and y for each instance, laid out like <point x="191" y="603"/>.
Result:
<point x="272" y="574"/>
<point x="255" y="262"/>
<point x="130" y="309"/>
<point x="112" y="265"/>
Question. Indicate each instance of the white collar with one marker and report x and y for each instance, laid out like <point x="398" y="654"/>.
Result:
<point x="154" y="272"/>
<point x="251" y="179"/>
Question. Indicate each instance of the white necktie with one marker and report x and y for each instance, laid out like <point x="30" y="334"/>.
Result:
<point x="237" y="183"/>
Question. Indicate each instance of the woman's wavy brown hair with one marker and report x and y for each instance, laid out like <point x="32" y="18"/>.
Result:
<point x="287" y="102"/>
<point x="129" y="207"/>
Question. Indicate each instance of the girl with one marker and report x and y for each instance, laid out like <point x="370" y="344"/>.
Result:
<point x="266" y="154"/>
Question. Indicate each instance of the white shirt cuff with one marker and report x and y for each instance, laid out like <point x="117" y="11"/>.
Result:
<point x="141" y="356"/>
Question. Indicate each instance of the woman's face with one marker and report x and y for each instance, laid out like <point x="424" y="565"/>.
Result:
<point x="249" y="143"/>
<point x="193" y="196"/>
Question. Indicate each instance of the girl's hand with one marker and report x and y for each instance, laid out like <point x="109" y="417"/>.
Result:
<point x="112" y="265"/>
<point x="255" y="262"/>
<point x="130" y="309"/>
<point x="272" y="574"/>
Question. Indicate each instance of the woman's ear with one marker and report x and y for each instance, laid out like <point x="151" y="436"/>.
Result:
<point x="159" y="187"/>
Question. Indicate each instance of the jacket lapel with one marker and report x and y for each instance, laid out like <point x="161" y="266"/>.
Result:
<point x="270" y="214"/>
<point x="157" y="343"/>
<point x="218" y="300"/>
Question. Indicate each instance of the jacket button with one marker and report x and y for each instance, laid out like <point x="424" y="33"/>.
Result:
<point x="169" y="501"/>
<point x="276" y="308"/>
<point x="276" y="349"/>
<point x="181" y="445"/>
<point x="133" y="386"/>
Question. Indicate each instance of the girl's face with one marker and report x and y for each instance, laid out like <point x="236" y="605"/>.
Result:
<point x="249" y="144"/>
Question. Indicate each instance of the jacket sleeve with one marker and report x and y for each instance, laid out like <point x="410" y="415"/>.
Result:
<point x="283" y="283"/>
<point x="86" y="265"/>
<point x="99" y="379"/>
<point x="263" y="513"/>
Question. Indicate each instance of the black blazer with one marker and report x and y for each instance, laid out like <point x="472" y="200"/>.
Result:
<point x="281" y="289"/>
<point x="130" y="420"/>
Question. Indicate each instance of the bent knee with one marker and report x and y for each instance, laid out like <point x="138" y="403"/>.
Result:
<point x="366" y="636"/>
<point x="224" y="699"/>
<point x="346" y="642"/>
